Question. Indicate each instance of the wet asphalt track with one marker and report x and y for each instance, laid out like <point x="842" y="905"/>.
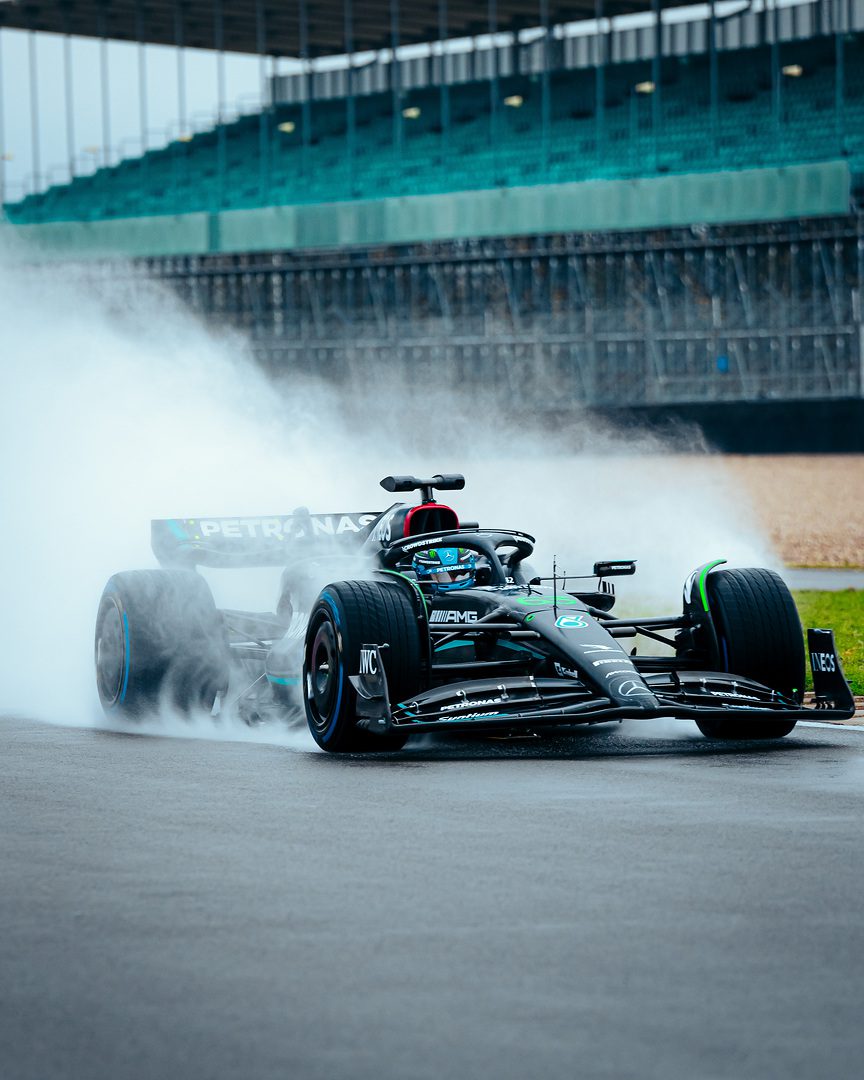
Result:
<point x="618" y="903"/>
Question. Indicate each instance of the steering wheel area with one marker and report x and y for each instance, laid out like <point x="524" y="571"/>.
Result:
<point x="502" y="550"/>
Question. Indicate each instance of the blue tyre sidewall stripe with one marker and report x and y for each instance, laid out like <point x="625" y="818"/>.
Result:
<point x="111" y="589"/>
<point x="332" y="605"/>
<point x="126" y="658"/>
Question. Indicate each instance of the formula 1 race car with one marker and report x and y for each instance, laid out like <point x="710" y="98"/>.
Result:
<point x="427" y="624"/>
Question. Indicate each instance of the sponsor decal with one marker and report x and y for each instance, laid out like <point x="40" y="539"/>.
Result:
<point x="633" y="689"/>
<point x="823" y="661"/>
<point x="472" y="704"/>
<point x="566" y="672"/>
<point x="292" y="527"/>
<point x="475" y="716"/>
<point x="730" y="693"/>
<point x="368" y="662"/>
<point x="430" y="543"/>
<point x="451" y="615"/>
<point x="571" y="622"/>
<point x="600" y="663"/>
<point x="591" y="649"/>
<point x="382" y="530"/>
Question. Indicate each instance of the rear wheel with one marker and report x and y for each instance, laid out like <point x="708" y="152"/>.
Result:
<point x="759" y="636"/>
<point x="160" y="643"/>
<point x="346" y="616"/>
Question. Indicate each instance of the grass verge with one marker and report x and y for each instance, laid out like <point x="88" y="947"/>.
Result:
<point x="842" y="612"/>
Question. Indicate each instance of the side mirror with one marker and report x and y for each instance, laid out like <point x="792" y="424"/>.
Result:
<point x="615" y="568"/>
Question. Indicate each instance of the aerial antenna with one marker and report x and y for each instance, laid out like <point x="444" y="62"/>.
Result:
<point x="555" y="586"/>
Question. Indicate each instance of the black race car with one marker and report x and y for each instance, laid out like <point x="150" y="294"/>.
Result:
<point x="380" y="653"/>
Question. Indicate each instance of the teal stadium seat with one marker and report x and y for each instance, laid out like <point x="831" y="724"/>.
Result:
<point x="185" y="176"/>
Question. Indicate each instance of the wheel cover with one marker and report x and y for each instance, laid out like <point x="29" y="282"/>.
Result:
<point x="110" y="655"/>
<point x="324" y="676"/>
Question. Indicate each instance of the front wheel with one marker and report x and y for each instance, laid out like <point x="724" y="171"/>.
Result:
<point x="759" y="636"/>
<point x="346" y="616"/>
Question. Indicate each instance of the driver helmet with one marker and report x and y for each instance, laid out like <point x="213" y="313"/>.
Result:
<point x="446" y="568"/>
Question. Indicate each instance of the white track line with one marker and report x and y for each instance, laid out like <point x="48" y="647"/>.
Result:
<point x="833" y="727"/>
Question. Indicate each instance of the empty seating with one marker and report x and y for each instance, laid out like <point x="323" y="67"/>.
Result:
<point x="269" y="159"/>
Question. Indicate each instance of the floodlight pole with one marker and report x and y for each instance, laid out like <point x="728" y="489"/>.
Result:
<point x="775" y="67"/>
<point x="493" y="87"/>
<point x="841" y="24"/>
<point x="181" y="65"/>
<point x="545" y="84"/>
<point x="350" y="104"/>
<point x="656" y="78"/>
<point x="602" y="44"/>
<point x="713" y="76"/>
<point x="264" y="117"/>
<point x="143" y="118"/>
<point x="396" y="79"/>
<point x="35" y="157"/>
<point x="3" y="150"/>
<point x="104" y="86"/>
<point x="69" y="93"/>
<point x="445" y="85"/>
<point x="221" y="134"/>
<point x="181" y="91"/>
<point x="308" y="84"/>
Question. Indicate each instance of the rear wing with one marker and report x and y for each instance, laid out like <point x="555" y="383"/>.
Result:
<point x="255" y="541"/>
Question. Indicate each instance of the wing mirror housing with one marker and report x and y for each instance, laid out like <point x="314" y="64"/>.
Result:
<point x="615" y="568"/>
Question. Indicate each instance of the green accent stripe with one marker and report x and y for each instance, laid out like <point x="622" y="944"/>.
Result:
<point x="706" y="570"/>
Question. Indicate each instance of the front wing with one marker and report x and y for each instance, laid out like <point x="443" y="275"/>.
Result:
<point x="529" y="701"/>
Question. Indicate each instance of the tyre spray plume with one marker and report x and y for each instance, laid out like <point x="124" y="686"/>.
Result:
<point x="117" y="406"/>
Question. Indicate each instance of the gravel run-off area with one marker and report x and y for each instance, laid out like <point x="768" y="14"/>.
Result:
<point x="811" y="505"/>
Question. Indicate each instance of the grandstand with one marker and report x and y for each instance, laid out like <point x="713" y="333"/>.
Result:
<point x="487" y="211"/>
<point x="283" y="170"/>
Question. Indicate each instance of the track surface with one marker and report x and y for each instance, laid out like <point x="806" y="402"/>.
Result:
<point x="831" y="580"/>
<point x="625" y="902"/>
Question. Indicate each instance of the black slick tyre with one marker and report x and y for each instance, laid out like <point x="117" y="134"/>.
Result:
<point x="759" y="636"/>
<point x="346" y="616"/>
<point x="160" y="643"/>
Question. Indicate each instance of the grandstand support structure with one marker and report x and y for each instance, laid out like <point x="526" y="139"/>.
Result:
<point x="765" y="313"/>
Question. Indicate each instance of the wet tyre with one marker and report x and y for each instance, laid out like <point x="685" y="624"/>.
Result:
<point x="347" y="615"/>
<point x="160" y="644"/>
<point x="759" y="636"/>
